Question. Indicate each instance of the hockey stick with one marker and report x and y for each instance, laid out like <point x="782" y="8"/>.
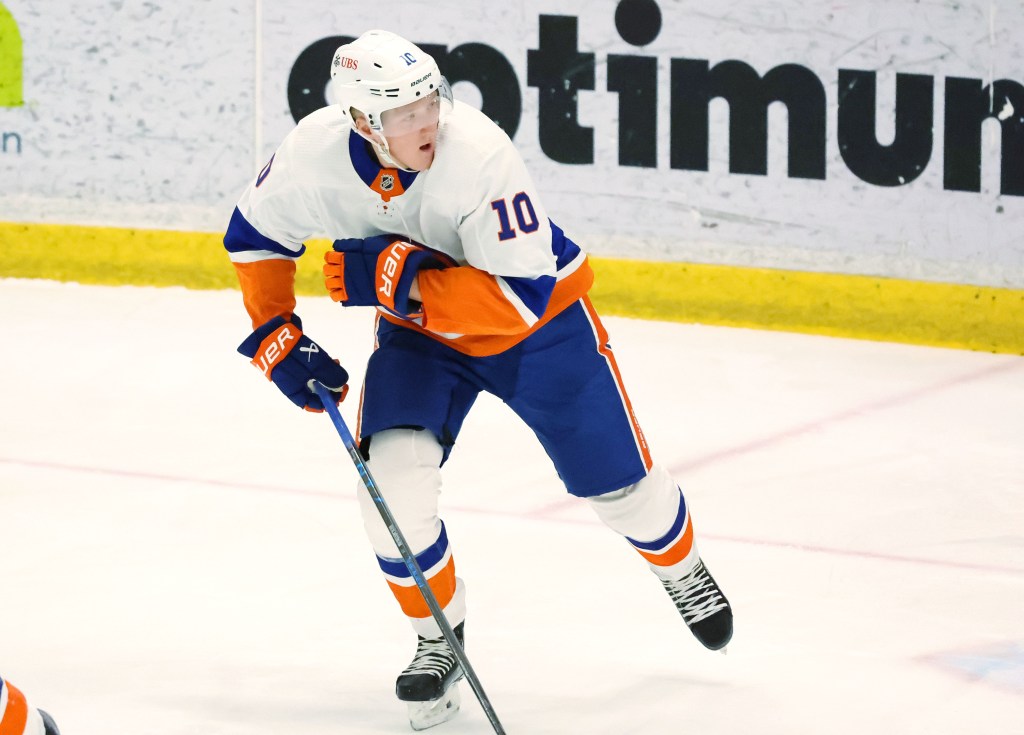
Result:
<point x="407" y="556"/>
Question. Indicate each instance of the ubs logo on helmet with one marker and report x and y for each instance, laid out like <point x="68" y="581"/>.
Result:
<point x="345" y="62"/>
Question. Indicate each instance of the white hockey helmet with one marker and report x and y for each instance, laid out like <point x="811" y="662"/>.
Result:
<point x="380" y="71"/>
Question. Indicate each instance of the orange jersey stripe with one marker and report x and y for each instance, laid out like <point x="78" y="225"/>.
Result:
<point x="676" y="553"/>
<point x="268" y="288"/>
<point x="566" y="292"/>
<point x="604" y="349"/>
<point x="467" y="300"/>
<point x="411" y="599"/>
<point x="14" y="717"/>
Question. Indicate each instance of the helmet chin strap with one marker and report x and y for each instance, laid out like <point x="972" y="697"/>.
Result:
<point x="384" y="153"/>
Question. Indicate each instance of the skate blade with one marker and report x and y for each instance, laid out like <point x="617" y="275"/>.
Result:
<point x="427" y="714"/>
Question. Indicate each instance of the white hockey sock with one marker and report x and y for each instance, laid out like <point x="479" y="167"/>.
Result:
<point x="653" y="516"/>
<point x="406" y="464"/>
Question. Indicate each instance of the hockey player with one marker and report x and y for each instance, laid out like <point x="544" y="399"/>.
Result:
<point x="438" y="225"/>
<point x="18" y="718"/>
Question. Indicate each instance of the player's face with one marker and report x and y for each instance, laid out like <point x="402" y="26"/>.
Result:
<point x="411" y="131"/>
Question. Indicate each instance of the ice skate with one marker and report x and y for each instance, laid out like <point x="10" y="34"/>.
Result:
<point x="703" y="606"/>
<point x="429" y="685"/>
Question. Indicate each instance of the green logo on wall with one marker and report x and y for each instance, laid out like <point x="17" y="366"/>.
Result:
<point x="10" y="61"/>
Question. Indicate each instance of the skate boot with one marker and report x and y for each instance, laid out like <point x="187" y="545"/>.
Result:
<point x="429" y="683"/>
<point x="703" y="606"/>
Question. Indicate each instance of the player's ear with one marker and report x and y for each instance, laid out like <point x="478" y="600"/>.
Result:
<point x="364" y="129"/>
<point x="361" y="123"/>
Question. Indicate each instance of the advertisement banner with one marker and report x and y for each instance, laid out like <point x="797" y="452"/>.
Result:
<point x="881" y="138"/>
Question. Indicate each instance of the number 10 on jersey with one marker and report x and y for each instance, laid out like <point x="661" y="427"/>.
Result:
<point x="526" y="217"/>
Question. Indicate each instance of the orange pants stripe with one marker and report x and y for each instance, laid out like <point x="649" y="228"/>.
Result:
<point x="606" y="352"/>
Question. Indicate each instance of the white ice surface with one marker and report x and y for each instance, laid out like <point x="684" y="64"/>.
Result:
<point x="182" y="554"/>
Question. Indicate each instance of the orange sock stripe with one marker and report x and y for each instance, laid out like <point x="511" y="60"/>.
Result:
<point x="675" y="553"/>
<point x="14" y="717"/>
<point x="606" y="351"/>
<point x="411" y="599"/>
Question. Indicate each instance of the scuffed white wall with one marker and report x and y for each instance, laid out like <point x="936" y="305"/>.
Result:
<point x="143" y="114"/>
<point x="136" y="113"/>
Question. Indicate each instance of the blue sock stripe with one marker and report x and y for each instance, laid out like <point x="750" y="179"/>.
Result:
<point x="426" y="558"/>
<point x="677" y="526"/>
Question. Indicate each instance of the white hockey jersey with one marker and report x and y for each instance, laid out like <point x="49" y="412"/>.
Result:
<point x="476" y="203"/>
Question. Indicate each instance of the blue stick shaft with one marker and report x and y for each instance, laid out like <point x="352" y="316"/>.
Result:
<point x="407" y="556"/>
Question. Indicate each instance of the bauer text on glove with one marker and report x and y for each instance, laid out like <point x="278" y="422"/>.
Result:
<point x="377" y="270"/>
<point x="291" y="360"/>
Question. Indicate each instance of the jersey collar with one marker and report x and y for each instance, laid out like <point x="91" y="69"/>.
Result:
<point x="373" y="174"/>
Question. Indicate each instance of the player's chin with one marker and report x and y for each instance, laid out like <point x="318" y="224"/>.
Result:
<point x="424" y="156"/>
